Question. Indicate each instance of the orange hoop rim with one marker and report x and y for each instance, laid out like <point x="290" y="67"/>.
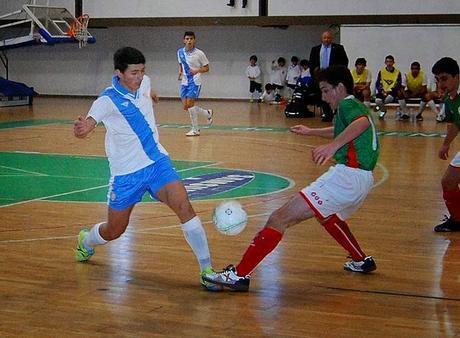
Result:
<point x="79" y="26"/>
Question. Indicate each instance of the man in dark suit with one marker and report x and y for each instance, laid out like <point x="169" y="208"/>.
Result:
<point x="322" y="56"/>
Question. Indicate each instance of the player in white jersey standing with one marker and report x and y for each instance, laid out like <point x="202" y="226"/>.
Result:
<point x="192" y="62"/>
<point x="138" y="162"/>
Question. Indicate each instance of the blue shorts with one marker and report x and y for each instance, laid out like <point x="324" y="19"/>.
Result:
<point x="191" y="91"/>
<point x="127" y="190"/>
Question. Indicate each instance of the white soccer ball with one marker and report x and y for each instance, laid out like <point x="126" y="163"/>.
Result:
<point x="230" y="218"/>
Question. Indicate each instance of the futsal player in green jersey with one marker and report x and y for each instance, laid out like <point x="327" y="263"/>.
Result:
<point x="335" y="195"/>
<point x="446" y="72"/>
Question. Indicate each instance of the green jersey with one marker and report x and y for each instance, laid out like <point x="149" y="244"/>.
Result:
<point x="453" y="109"/>
<point x="363" y="151"/>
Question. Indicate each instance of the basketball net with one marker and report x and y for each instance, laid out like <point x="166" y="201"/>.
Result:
<point x="79" y="30"/>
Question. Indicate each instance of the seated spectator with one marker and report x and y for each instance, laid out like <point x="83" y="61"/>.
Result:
<point x="278" y="76"/>
<point x="362" y="79"/>
<point x="293" y="74"/>
<point x="305" y="79"/>
<point x="415" y="85"/>
<point x="388" y="87"/>
<point x="269" y="94"/>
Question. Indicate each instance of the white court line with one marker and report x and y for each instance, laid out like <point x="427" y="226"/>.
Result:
<point x="24" y="171"/>
<point x="82" y="190"/>
<point x="52" y="196"/>
<point x="142" y="231"/>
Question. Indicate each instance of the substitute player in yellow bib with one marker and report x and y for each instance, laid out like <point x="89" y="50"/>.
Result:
<point x="335" y="195"/>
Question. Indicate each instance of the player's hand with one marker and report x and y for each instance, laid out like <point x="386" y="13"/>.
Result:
<point x="323" y="153"/>
<point x="301" y="129"/>
<point x="194" y="71"/>
<point x="154" y="96"/>
<point x="443" y="152"/>
<point x="82" y="126"/>
<point x="179" y="77"/>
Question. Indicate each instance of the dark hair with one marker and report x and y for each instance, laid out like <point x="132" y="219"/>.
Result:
<point x="189" y="33"/>
<point x="415" y="64"/>
<point x="294" y="59"/>
<point x="445" y="65"/>
<point x="253" y="57"/>
<point x="305" y="62"/>
<point x="391" y="57"/>
<point x="269" y="86"/>
<point x="335" y="75"/>
<point x="361" y="61"/>
<point x="126" y="56"/>
<point x="281" y="60"/>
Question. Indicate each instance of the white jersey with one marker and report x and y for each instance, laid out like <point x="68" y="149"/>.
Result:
<point x="293" y="74"/>
<point x="278" y="75"/>
<point x="254" y="73"/>
<point x="131" y="140"/>
<point x="193" y="59"/>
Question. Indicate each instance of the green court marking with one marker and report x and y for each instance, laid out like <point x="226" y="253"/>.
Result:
<point x="28" y="123"/>
<point x="33" y="176"/>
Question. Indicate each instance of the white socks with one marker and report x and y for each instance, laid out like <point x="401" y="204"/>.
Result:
<point x="432" y="106"/>
<point x="403" y="106"/>
<point x="94" y="237"/>
<point x="196" y="238"/>
<point x="194" y="111"/>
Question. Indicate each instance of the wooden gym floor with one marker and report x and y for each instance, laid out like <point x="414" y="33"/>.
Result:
<point x="146" y="283"/>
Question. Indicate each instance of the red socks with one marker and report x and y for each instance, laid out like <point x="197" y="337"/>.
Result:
<point x="341" y="232"/>
<point x="452" y="200"/>
<point x="264" y="243"/>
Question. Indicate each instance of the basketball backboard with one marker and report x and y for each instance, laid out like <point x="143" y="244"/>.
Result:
<point x="38" y="24"/>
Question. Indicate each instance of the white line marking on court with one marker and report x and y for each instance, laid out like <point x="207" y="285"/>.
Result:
<point x="200" y="166"/>
<point x="142" y="231"/>
<point x="52" y="196"/>
<point x="24" y="171"/>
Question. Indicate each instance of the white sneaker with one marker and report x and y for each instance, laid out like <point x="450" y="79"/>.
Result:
<point x="440" y="117"/>
<point x="193" y="132"/>
<point x="210" y="114"/>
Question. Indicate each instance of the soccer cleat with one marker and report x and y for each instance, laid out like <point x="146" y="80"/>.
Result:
<point x="229" y="279"/>
<point x="405" y="116"/>
<point x="210" y="115"/>
<point x="208" y="285"/>
<point x="441" y="117"/>
<point x="193" y="132"/>
<point x="365" y="266"/>
<point x="81" y="253"/>
<point x="382" y="113"/>
<point x="449" y="225"/>
<point x="251" y="100"/>
<point x="419" y="117"/>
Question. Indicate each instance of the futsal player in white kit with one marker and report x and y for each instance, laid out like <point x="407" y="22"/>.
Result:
<point x="192" y="63"/>
<point x="138" y="162"/>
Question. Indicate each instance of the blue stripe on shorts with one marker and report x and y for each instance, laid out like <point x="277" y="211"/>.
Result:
<point x="127" y="190"/>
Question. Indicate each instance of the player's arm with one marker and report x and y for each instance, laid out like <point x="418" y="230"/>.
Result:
<point x="179" y="77"/>
<point x="325" y="152"/>
<point x="327" y="132"/>
<point x="83" y="126"/>
<point x="202" y="69"/>
<point x="154" y="96"/>
<point x="452" y="132"/>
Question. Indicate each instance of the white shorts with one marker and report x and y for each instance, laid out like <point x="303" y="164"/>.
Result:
<point x="456" y="161"/>
<point x="341" y="190"/>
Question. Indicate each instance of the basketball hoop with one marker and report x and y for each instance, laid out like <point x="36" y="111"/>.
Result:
<point x="79" y="30"/>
